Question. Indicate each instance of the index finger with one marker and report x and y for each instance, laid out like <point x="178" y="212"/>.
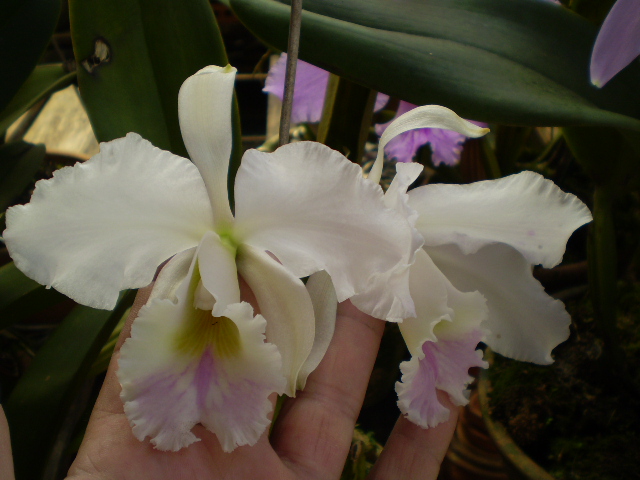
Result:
<point x="109" y="398"/>
<point x="314" y="430"/>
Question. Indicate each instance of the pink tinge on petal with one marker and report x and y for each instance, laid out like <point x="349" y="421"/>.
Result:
<point x="445" y="366"/>
<point x="618" y="42"/>
<point x="446" y="145"/>
<point x="309" y="92"/>
<point x="170" y="403"/>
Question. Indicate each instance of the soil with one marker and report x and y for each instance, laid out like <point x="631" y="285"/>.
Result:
<point x="573" y="417"/>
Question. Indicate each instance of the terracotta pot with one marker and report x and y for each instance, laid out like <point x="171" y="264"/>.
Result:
<point x="472" y="454"/>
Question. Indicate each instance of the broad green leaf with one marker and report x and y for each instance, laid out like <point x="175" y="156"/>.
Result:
<point x="25" y="29"/>
<point x="521" y="63"/>
<point x="14" y="285"/>
<point x="21" y="297"/>
<point x="43" y="81"/>
<point x="19" y="162"/>
<point x="39" y="402"/>
<point x="133" y="56"/>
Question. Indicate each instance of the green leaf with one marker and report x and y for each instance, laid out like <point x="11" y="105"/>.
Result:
<point x="25" y="29"/>
<point x="14" y="285"/>
<point x="19" y="162"/>
<point x="520" y="63"/>
<point x="133" y="56"/>
<point x="21" y="297"/>
<point x="43" y="81"/>
<point x="39" y="402"/>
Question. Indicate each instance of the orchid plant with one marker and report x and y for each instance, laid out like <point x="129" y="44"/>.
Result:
<point x="197" y="349"/>
<point x="232" y="319"/>
<point x="197" y="352"/>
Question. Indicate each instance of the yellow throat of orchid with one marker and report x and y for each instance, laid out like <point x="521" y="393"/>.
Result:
<point x="204" y="331"/>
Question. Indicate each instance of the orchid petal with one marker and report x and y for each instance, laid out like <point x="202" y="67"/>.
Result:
<point x="525" y="211"/>
<point x="183" y="366"/>
<point x="204" y="108"/>
<point x="390" y="292"/>
<point x="618" y="42"/>
<point x="446" y="145"/>
<point x="442" y="340"/>
<point x="396" y="196"/>
<point x="284" y="301"/>
<point x="444" y="366"/>
<point x="381" y="101"/>
<point x="172" y="276"/>
<point x="524" y="323"/>
<point x="308" y="96"/>
<point x="439" y="306"/>
<point x="217" y="264"/>
<point x="325" y="305"/>
<point x="282" y="206"/>
<point x="106" y="224"/>
<point x="428" y="116"/>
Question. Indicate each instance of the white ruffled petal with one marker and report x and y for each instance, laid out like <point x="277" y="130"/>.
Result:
<point x="439" y="305"/>
<point x="183" y="366"/>
<point x="204" y="107"/>
<point x="524" y="323"/>
<point x="526" y="211"/>
<point x="106" y="224"/>
<point x="442" y="340"/>
<point x="390" y="292"/>
<point x="311" y="207"/>
<point x="443" y="365"/>
<point x="428" y="116"/>
<point x="284" y="301"/>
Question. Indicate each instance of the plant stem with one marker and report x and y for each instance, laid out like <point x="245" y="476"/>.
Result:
<point x="290" y="77"/>
<point x="603" y="279"/>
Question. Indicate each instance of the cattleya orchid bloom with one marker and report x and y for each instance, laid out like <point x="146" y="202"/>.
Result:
<point x="618" y="42"/>
<point x="308" y="101"/>
<point x="197" y="353"/>
<point x="472" y="280"/>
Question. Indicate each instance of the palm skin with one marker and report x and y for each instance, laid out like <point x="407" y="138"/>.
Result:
<point x="310" y="439"/>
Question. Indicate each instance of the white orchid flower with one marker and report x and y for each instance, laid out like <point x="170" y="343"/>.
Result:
<point x="472" y="280"/>
<point x="197" y="353"/>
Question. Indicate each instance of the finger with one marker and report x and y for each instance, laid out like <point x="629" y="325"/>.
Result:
<point x="314" y="431"/>
<point x="6" y="460"/>
<point x="109" y="401"/>
<point x="415" y="453"/>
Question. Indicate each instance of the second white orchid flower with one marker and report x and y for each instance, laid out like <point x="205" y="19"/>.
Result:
<point x="472" y="280"/>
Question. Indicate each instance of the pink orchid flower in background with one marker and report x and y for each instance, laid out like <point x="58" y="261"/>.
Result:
<point x="311" y="87"/>
<point x="618" y="42"/>
<point x="472" y="280"/>
<point x="197" y="352"/>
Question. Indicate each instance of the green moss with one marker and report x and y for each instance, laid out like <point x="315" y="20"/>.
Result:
<point x="568" y="416"/>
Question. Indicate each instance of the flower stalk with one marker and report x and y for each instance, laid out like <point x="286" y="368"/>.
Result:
<point x="290" y="77"/>
<point x="603" y="278"/>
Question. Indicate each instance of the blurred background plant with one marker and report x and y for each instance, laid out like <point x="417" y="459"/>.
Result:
<point x="522" y="66"/>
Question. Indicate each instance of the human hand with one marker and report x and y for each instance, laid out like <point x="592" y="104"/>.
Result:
<point x="310" y="439"/>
